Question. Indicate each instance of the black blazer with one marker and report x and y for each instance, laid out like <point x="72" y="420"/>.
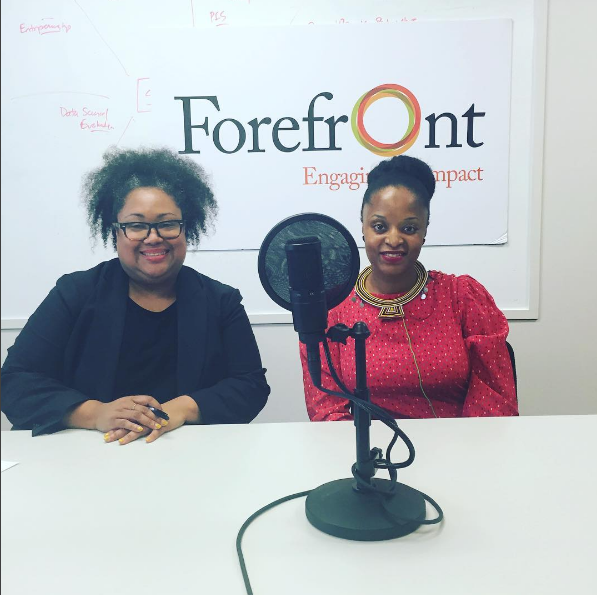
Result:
<point x="68" y="351"/>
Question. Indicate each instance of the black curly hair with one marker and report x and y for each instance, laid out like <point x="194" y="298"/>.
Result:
<point x="106" y="188"/>
<point x="402" y="170"/>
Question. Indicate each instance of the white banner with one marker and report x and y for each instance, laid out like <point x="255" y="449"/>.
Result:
<point x="290" y="120"/>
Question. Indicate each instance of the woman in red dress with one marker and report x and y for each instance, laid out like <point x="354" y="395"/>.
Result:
<point x="438" y="342"/>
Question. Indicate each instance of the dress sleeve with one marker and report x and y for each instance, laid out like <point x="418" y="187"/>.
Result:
<point x="34" y="396"/>
<point x="320" y="406"/>
<point x="240" y="396"/>
<point x="491" y="390"/>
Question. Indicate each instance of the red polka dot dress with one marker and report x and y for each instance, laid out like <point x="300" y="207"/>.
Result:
<point x="458" y="336"/>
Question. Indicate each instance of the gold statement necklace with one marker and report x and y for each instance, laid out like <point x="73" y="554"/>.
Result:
<point x="392" y="308"/>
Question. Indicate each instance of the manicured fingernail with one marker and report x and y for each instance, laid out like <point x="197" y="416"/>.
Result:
<point x="157" y="426"/>
<point x="146" y="439"/>
<point x="164" y="423"/>
<point x="139" y="429"/>
<point x="121" y="440"/>
<point x="106" y="436"/>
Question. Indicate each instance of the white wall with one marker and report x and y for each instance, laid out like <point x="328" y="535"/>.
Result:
<point x="556" y="354"/>
<point x="7" y="338"/>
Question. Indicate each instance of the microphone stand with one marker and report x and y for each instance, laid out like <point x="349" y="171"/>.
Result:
<point x="363" y="508"/>
<point x="362" y="419"/>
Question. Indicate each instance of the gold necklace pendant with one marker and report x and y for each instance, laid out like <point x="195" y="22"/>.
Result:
<point x="391" y="308"/>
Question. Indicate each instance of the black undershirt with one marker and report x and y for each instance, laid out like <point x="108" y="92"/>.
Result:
<point x="148" y="353"/>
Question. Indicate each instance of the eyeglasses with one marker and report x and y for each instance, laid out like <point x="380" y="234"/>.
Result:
<point x="139" y="231"/>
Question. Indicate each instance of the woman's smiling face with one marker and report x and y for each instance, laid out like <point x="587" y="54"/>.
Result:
<point x="153" y="261"/>
<point x="394" y="228"/>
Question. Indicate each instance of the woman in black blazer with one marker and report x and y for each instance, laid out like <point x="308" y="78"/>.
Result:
<point x="142" y="330"/>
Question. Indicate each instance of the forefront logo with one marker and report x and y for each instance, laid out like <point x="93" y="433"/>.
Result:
<point x="285" y="131"/>
<point x="414" y="120"/>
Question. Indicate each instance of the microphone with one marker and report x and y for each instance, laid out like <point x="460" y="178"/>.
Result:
<point x="308" y="264"/>
<point x="307" y="298"/>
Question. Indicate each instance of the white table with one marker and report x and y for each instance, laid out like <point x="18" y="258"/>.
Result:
<point x="80" y="516"/>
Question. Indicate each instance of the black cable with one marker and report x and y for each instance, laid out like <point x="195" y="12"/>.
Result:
<point x="328" y="357"/>
<point x="373" y="409"/>
<point x="438" y="519"/>
<point x="383" y="498"/>
<point x="379" y="462"/>
<point x="239" y="537"/>
<point x="375" y="454"/>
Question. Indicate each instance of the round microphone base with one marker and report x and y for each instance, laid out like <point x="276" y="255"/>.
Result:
<point x="336" y="508"/>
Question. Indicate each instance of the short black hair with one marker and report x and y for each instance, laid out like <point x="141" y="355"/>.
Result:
<point x="402" y="170"/>
<point x="106" y="188"/>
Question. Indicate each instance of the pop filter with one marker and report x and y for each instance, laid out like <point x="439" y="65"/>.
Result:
<point x="308" y="264"/>
<point x="339" y="257"/>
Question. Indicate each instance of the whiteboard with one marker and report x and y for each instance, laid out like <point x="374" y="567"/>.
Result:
<point x="84" y="56"/>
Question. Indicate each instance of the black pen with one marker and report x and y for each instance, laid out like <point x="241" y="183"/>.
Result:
<point x="159" y="413"/>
